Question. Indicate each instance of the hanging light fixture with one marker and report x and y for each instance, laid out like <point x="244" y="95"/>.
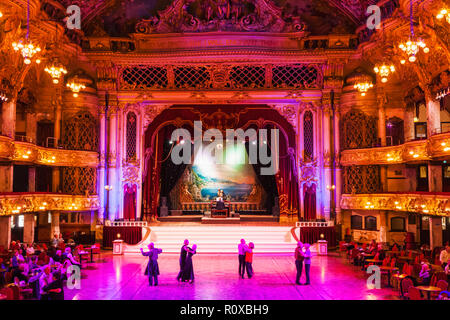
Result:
<point x="56" y="70"/>
<point x="413" y="45"/>
<point x="384" y="71"/>
<point x="363" y="87"/>
<point x="27" y="48"/>
<point x="75" y="86"/>
<point x="444" y="13"/>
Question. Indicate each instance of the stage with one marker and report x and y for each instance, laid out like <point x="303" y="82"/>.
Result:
<point x="268" y="237"/>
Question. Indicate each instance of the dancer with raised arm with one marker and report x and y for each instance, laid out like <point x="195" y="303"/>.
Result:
<point x="152" y="269"/>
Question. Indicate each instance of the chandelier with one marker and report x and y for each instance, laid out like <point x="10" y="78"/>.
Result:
<point x="413" y="45"/>
<point x="3" y="97"/>
<point x="27" y="48"/>
<point x="384" y="71"/>
<point x="56" y="70"/>
<point x="363" y="87"/>
<point x="443" y="13"/>
<point x="75" y="87"/>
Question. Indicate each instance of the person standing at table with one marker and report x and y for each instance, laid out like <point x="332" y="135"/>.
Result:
<point x="299" y="257"/>
<point x="152" y="269"/>
<point x="242" y="249"/>
<point x="183" y="255"/>
<point x="307" y="255"/>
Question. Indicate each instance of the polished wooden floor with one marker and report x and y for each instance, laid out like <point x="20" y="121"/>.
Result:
<point x="122" y="278"/>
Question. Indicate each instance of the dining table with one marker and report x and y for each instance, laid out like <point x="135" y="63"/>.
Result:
<point x="429" y="290"/>
<point x="389" y="270"/>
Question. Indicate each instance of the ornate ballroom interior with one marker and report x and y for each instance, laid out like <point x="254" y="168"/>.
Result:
<point x="87" y="117"/>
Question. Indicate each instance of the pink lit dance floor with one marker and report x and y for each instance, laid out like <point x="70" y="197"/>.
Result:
<point x="216" y="278"/>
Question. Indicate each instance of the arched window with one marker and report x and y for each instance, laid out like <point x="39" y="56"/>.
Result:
<point x="398" y="224"/>
<point x="356" y="222"/>
<point x="131" y="136"/>
<point x="81" y="132"/>
<point x="308" y="136"/>
<point x="370" y="223"/>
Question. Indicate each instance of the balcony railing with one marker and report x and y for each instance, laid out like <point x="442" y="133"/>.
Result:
<point x="433" y="148"/>
<point x="419" y="202"/>
<point x="19" y="203"/>
<point x="30" y="153"/>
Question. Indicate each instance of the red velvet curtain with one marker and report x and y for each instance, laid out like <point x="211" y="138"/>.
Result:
<point x="129" y="208"/>
<point x="309" y="202"/>
<point x="130" y="235"/>
<point x="312" y="235"/>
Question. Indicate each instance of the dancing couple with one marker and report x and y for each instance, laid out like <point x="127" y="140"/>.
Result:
<point x="186" y="267"/>
<point x="302" y="255"/>
<point x="245" y="258"/>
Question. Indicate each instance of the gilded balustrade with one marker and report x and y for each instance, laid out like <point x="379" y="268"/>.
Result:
<point x="31" y="153"/>
<point x="437" y="204"/>
<point x="437" y="146"/>
<point x="11" y="204"/>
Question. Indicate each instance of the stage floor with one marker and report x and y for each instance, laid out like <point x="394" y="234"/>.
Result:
<point x="122" y="278"/>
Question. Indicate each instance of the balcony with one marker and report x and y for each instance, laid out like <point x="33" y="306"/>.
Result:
<point x="436" y="147"/>
<point x="26" y="152"/>
<point x="437" y="204"/>
<point x="20" y="203"/>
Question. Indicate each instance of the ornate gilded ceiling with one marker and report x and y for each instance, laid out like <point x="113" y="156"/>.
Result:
<point x="119" y="17"/>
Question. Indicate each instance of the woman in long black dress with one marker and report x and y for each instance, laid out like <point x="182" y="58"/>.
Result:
<point x="188" y="272"/>
<point x="183" y="255"/>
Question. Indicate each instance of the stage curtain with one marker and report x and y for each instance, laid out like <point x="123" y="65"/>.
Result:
<point x="129" y="208"/>
<point x="130" y="235"/>
<point x="170" y="172"/>
<point x="312" y="235"/>
<point x="310" y="202"/>
<point x="267" y="182"/>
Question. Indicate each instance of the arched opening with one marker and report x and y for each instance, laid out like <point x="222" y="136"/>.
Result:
<point x="188" y="188"/>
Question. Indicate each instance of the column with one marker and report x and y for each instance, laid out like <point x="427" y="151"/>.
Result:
<point x="101" y="169"/>
<point x="28" y="230"/>
<point x="338" y="170"/>
<point x="383" y="227"/>
<point x="382" y="124"/>
<point x="31" y="179"/>
<point x="434" y="177"/>
<point x="327" y="162"/>
<point x="435" y="232"/>
<point x="5" y="231"/>
<point x="408" y="123"/>
<point x="57" y="133"/>
<point x="54" y="227"/>
<point x="9" y="119"/>
<point x="433" y="117"/>
<point x="112" y="165"/>
<point x="383" y="178"/>
<point x="31" y="126"/>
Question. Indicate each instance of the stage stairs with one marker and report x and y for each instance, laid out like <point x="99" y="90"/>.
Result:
<point x="217" y="238"/>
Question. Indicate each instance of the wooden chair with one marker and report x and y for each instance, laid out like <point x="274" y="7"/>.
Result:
<point x="406" y="284"/>
<point x="96" y="249"/>
<point x="436" y="277"/>
<point x="414" y="293"/>
<point x="440" y="284"/>
<point x="8" y="292"/>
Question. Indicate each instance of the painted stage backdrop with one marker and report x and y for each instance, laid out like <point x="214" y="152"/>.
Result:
<point x="235" y="176"/>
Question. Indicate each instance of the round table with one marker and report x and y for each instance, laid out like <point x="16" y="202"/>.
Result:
<point x="3" y="297"/>
<point x="374" y="261"/>
<point x="400" y="277"/>
<point x="389" y="270"/>
<point x="429" y="289"/>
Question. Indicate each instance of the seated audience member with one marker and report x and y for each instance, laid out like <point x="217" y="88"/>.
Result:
<point x="55" y="241"/>
<point x="70" y="257"/>
<point x="57" y="257"/>
<point x="444" y="256"/>
<point x="424" y="274"/>
<point x="44" y="280"/>
<point x="55" y="289"/>
<point x="30" y="250"/>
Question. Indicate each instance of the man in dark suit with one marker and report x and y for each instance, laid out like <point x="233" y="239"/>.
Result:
<point x="183" y="255"/>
